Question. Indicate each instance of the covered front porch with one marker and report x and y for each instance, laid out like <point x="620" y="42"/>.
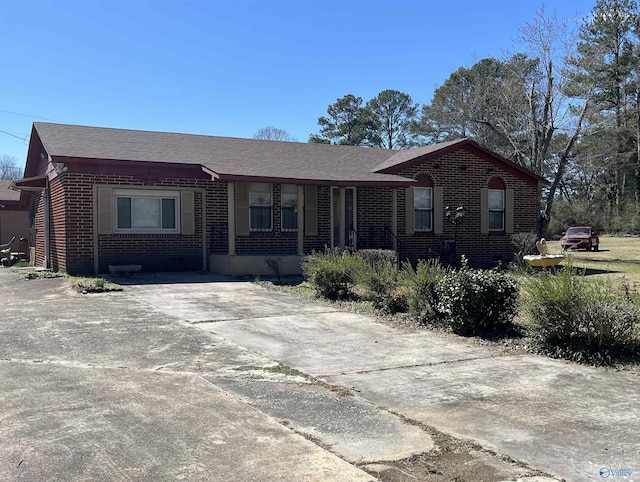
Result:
<point x="327" y="217"/>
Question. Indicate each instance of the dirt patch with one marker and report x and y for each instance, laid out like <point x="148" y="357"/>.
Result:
<point x="461" y="464"/>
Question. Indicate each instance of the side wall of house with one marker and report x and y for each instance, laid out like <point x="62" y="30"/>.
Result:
<point x="38" y="225"/>
<point x="60" y="211"/>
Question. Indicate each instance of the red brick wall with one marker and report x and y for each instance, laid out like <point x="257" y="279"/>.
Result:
<point x="72" y="248"/>
<point x="462" y="175"/>
<point x="60" y="211"/>
<point x="374" y="215"/>
<point x="323" y="238"/>
<point x="272" y="242"/>
<point x="39" y="228"/>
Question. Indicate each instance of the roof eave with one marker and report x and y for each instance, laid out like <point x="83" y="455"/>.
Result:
<point x="400" y="182"/>
<point x="35" y="183"/>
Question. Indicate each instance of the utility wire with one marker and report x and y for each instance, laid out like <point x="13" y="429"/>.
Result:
<point x="14" y="135"/>
<point x="28" y="115"/>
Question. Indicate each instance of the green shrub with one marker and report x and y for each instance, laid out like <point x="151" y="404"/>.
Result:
<point x="384" y="258"/>
<point x="379" y="275"/>
<point x="607" y="330"/>
<point x="333" y="273"/>
<point x="420" y="285"/>
<point x="476" y="301"/>
<point x="552" y="302"/>
<point x="581" y="321"/>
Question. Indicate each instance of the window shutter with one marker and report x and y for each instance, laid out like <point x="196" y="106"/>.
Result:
<point x="437" y="210"/>
<point x="410" y="212"/>
<point x="187" y="215"/>
<point x="105" y="210"/>
<point x="242" y="209"/>
<point x="311" y="210"/>
<point x="508" y="221"/>
<point x="484" y="211"/>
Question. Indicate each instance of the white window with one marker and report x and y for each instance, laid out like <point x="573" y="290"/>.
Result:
<point x="260" y="206"/>
<point x="289" y="207"/>
<point x="496" y="210"/>
<point x="423" y="206"/>
<point x="147" y="211"/>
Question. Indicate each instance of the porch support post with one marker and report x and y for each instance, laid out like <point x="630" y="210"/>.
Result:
<point x="343" y="218"/>
<point x="300" y="220"/>
<point x="231" y="215"/>
<point x="394" y="216"/>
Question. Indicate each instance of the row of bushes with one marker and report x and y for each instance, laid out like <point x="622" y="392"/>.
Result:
<point x="466" y="301"/>
<point x="567" y="316"/>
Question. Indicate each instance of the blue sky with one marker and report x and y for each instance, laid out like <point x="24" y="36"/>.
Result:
<point x="228" y="68"/>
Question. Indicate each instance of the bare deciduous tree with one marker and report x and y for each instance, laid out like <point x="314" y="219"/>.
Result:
<point x="271" y="133"/>
<point x="9" y="168"/>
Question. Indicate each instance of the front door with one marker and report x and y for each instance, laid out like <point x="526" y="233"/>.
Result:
<point x="343" y="217"/>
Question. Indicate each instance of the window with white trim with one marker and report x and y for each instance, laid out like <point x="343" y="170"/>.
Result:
<point x="289" y="207"/>
<point x="146" y="211"/>
<point x="496" y="209"/>
<point x="260" y="207"/>
<point x="423" y="207"/>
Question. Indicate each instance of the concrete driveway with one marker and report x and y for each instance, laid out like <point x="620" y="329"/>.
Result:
<point x="565" y="419"/>
<point x="197" y="377"/>
<point x="105" y="388"/>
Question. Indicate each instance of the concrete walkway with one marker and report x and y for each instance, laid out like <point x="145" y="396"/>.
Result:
<point x="568" y="420"/>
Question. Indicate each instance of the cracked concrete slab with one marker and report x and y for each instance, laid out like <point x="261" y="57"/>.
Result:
<point x="572" y="420"/>
<point x="331" y="343"/>
<point x="102" y="387"/>
<point x="75" y="423"/>
<point x="347" y="424"/>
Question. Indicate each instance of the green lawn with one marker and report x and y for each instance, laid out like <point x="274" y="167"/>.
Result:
<point x="617" y="259"/>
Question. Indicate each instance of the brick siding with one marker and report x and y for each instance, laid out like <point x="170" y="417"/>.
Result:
<point x="461" y="174"/>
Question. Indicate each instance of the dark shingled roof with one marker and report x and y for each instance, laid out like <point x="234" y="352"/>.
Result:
<point x="225" y="156"/>
<point x="400" y="157"/>
<point x="233" y="158"/>
<point x="7" y="194"/>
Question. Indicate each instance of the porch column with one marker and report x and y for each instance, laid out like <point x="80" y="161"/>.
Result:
<point x="342" y="201"/>
<point x="231" y="215"/>
<point x="394" y="216"/>
<point x="300" y="220"/>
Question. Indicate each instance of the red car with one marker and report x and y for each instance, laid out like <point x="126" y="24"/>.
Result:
<point x="578" y="237"/>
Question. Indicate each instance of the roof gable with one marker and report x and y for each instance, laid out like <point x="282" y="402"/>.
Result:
<point x="404" y="159"/>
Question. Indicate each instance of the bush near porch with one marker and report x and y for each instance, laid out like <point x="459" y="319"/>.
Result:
<point x="466" y="301"/>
